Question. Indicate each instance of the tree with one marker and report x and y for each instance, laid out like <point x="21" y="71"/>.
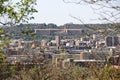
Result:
<point x="29" y="33"/>
<point x="12" y="12"/>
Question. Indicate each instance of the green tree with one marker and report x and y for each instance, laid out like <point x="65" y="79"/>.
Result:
<point x="29" y="33"/>
<point x="11" y="14"/>
<point x="16" y="12"/>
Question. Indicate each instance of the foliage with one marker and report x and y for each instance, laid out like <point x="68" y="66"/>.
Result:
<point x="29" y="32"/>
<point x="5" y="70"/>
<point x="12" y="13"/>
<point x="16" y="12"/>
<point x="19" y="12"/>
<point x="4" y="38"/>
<point x="17" y="31"/>
<point x="51" y="72"/>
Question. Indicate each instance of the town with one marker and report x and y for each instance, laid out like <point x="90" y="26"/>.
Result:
<point x="60" y="40"/>
<point x="93" y="48"/>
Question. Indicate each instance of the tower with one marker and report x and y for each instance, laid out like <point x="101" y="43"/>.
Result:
<point x="57" y="39"/>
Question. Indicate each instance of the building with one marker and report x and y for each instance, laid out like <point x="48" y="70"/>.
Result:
<point x="57" y="39"/>
<point x="116" y="41"/>
<point x="85" y="39"/>
<point x="112" y="41"/>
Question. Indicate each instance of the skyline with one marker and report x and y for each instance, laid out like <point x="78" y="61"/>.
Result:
<point x="59" y="13"/>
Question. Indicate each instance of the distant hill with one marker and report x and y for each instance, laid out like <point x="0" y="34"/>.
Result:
<point x="16" y="31"/>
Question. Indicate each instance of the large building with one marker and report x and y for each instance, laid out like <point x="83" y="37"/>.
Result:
<point x="57" y="39"/>
<point x="112" y="41"/>
<point x="57" y="31"/>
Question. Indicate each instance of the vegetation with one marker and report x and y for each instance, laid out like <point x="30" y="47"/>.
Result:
<point x="71" y="72"/>
<point x="16" y="13"/>
<point x="17" y="31"/>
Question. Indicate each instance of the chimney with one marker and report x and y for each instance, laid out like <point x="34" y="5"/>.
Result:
<point x="81" y="55"/>
<point x="57" y="39"/>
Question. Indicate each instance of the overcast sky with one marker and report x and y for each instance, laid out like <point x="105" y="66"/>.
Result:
<point x="58" y="12"/>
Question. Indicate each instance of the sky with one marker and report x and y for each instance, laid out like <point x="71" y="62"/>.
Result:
<point x="58" y="12"/>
